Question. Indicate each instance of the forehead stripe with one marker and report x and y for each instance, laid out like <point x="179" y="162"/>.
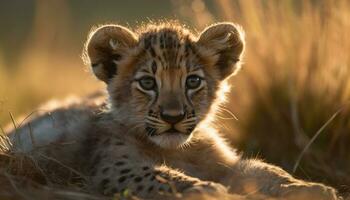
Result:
<point x="153" y="53"/>
<point x="154" y="66"/>
<point x="147" y="43"/>
<point x="154" y="39"/>
<point x="161" y="39"/>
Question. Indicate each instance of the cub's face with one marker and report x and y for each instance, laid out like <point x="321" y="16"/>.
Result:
<point x="170" y="93"/>
<point x="163" y="80"/>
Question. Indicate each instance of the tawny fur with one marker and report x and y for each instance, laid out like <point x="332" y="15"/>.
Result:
<point x="128" y="146"/>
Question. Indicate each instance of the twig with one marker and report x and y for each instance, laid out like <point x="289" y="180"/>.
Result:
<point x="300" y="137"/>
<point x="36" y="111"/>
<point x="77" y="195"/>
<point x="314" y="138"/>
<point x="2" y="130"/>
<point x="13" y="184"/>
<point x="15" y="127"/>
<point x="5" y="141"/>
<point x="31" y="134"/>
<point x="63" y="165"/>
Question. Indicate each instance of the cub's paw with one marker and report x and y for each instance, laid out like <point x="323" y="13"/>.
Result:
<point x="309" y="191"/>
<point x="206" y="187"/>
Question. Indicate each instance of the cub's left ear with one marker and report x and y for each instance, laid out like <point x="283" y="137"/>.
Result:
<point x="224" y="43"/>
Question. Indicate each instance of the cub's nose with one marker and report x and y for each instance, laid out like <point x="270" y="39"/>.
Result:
<point x="172" y="117"/>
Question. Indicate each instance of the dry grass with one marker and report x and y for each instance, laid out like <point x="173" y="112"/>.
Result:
<point x="295" y="79"/>
<point x="34" y="176"/>
<point x="47" y="65"/>
<point x="31" y="176"/>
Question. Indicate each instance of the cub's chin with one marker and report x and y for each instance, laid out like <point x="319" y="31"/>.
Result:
<point x="171" y="140"/>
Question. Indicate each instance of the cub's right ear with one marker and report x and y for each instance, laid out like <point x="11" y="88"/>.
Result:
<point x="106" y="46"/>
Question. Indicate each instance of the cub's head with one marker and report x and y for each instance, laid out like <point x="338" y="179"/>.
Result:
<point x="162" y="79"/>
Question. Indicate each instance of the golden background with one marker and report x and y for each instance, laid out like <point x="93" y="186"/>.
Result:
<point x="294" y="83"/>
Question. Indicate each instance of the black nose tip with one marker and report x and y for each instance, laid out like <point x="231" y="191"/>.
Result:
<point x="172" y="118"/>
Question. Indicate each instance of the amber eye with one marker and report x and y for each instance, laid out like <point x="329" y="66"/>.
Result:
<point x="147" y="83"/>
<point x="193" y="82"/>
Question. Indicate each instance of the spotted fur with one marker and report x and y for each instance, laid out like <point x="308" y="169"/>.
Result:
<point x="154" y="139"/>
<point x="162" y="81"/>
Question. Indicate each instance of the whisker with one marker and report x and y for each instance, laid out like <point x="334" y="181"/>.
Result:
<point x="153" y="131"/>
<point x="222" y="108"/>
<point x="188" y="124"/>
<point x="155" y="124"/>
<point x="154" y="119"/>
<point x="162" y="129"/>
<point x="224" y="118"/>
<point x="135" y="127"/>
<point x="194" y="119"/>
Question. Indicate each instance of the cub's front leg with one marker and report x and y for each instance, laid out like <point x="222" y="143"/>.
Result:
<point x="117" y="166"/>
<point x="254" y="176"/>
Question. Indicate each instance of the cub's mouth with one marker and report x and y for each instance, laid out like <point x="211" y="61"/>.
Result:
<point x="170" y="131"/>
<point x="172" y="136"/>
<point x="174" y="131"/>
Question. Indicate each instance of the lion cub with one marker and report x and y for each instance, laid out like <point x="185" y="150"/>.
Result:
<point x="162" y="81"/>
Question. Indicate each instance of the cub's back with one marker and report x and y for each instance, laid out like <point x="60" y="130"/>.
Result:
<point x="55" y="122"/>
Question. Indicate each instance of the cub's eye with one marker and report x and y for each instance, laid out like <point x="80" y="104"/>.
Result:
<point x="193" y="82"/>
<point x="147" y="83"/>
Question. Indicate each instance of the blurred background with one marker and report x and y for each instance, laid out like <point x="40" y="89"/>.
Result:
<point x="294" y="83"/>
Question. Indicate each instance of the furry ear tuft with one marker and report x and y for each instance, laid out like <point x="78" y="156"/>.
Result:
<point x="105" y="46"/>
<point x="225" y="42"/>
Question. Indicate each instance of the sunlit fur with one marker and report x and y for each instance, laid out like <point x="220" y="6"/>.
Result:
<point x="169" y="53"/>
<point x="129" y="145"/>
<point x="134" y="130"/>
